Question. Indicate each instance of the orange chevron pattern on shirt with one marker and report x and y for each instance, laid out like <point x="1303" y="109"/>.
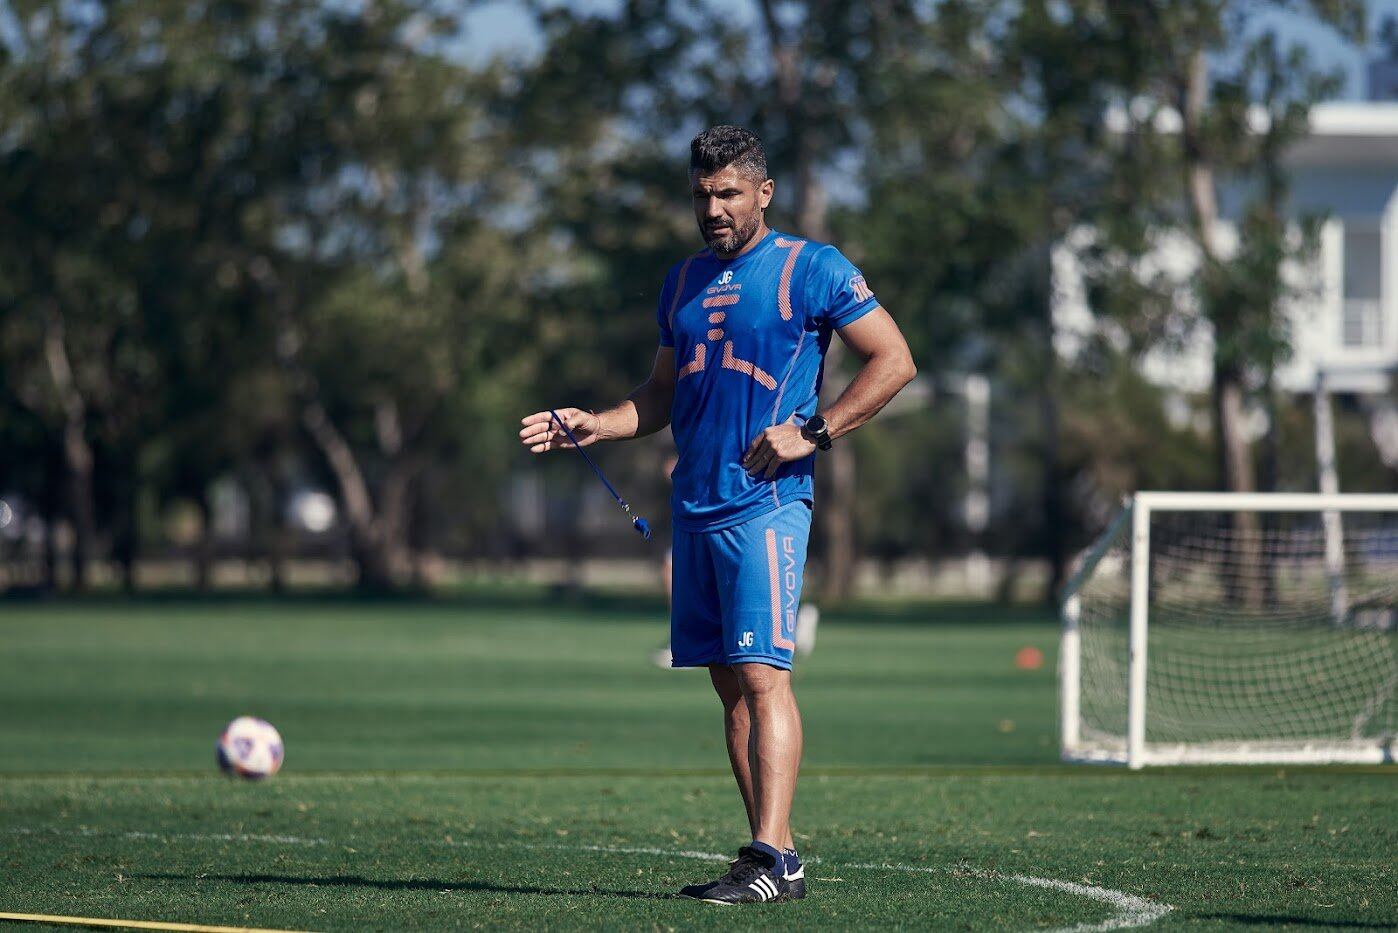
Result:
<point x="694" y="366"/>
<point x="767" y="315"/>
<point x="747" y="369"/>
<point x="784" y="285"/>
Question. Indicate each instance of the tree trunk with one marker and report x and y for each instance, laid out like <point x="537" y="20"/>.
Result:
<point x="1054" y="541"/>
<point x="378" y="537"/>
<point x="1268" y="472"/>
<point x="1235" y="455"/>
<point x="81" y="507"/>
<point x="49" y="583"/>
<point x="1235" y="451"/>
<point x="1229" y="388"/>
<point x="395" y="505"/>
<point x="1051" y="473"/>
<point x="204" y="549"/>
<point x="80" y="503"/>
<point x="124" y="536"/>
<point x="268" y="534"/>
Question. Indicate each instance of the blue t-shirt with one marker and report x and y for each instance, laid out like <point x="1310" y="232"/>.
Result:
<point x="750" y="336"/>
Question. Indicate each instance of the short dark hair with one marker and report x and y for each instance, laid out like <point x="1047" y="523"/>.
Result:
<point x="721" y="146"/>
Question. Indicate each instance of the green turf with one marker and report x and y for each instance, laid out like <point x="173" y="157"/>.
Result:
<point x="458" y="767"/>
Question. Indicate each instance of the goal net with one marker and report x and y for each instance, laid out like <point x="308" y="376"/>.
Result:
<point x="1217" y="627"/>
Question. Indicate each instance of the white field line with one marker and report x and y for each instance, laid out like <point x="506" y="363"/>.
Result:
<point x="1131" y="911"/>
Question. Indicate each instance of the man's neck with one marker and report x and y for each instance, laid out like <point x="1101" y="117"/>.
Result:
<point x="757" y="237"/>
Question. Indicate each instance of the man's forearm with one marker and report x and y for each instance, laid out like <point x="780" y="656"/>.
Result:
<point x="880" y="378"/>
<point x="644" y="411"/>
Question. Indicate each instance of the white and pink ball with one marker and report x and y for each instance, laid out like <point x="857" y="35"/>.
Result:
<point x="250" y="748"/>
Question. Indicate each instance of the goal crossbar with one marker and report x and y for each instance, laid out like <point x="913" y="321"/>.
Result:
<point x="1266" y="501"/>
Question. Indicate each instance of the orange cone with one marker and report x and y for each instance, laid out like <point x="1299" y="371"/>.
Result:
<point x="1029" y="658"/>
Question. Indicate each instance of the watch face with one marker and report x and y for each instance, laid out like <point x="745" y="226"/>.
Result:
<point x="815" y="424"/>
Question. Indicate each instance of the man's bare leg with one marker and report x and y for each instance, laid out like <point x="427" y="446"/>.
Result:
<point x="774" y="749"/>
<point x="737" y="730"/>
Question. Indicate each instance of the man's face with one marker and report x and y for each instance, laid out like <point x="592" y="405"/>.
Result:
<point x="728" y="207"/>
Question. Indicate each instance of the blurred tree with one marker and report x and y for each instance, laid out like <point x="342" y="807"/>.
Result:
<point x="989" y="127"/>
<point x="233" y="213"/>
<point x="401" y="283"/>
<point x="1241" y="97"/>
<point x="289" y="241"/>
<point x="76" y="347"/>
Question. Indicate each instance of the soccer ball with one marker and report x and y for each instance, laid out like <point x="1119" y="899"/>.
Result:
<point x="250" y="748"/>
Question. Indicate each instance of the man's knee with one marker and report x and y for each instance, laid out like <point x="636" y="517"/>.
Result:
<point x="726" y="685"/>
<point x="761" y="681"/>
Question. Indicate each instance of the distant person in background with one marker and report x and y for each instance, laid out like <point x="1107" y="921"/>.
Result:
<point x="744" y="326"/>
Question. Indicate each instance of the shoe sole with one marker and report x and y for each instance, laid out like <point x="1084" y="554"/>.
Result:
<point x="776" y="900"/>
<point x="786" y="896"/>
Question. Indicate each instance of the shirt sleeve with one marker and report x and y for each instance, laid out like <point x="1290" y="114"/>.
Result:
<point x="836" y="293"/>
<point x="662" y="310"/>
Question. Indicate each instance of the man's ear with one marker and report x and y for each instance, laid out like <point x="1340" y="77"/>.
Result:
<point x="765" y="192"/>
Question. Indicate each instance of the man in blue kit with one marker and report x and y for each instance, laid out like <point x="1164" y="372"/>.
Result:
<point x="744" y="327"/>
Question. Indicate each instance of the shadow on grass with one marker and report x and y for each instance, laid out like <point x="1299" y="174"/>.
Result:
<point x="1269" y="920"/>
<point x="415" y="884"/>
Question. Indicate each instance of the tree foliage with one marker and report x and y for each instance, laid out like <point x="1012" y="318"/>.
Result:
<point x="299" y="244"/>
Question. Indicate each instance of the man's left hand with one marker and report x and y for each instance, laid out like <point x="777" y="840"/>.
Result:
<point x="781" y="443"/>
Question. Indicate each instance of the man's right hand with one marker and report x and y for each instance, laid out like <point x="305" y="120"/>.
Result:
<point x="541" y="432"/>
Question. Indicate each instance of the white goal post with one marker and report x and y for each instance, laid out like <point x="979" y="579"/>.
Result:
<point x="1215" y="628"/>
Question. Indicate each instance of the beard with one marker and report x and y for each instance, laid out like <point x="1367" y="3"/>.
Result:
<point x="728" y="241"/>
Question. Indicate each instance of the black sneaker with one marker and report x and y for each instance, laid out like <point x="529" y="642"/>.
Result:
<point x="697" y="891"/>
<point x="795" y="884"/>
<point x="751" y="880"/>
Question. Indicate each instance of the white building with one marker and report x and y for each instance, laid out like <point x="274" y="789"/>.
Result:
<point x="1348" y="169"/>
<point x="1345" y="327"/>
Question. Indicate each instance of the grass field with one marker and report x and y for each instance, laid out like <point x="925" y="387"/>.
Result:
<point x="520" y="764"/>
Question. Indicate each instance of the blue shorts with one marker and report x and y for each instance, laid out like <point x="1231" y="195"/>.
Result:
<point x="736" y="590"/>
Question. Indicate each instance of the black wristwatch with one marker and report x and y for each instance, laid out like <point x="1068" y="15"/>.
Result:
<point x="816" y="431"/>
